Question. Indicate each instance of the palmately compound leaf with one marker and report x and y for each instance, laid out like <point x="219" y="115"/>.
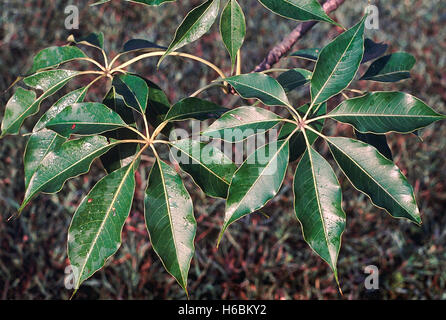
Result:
<point x="194" y="108"/>
<point x="297" y="141"/>
<point x="209" y="167"/>
<point x="294" y="78"/>
<point x="24" y="103"/>
<point x="337" y="64"/>
<point x="54" y="56"/>
<point x="86" y="118"/>
<point x="259" y="86"/>
<point x="170" y="220"/>
<point x="239" y="123"/>
<point x="256" y="182"/>
<point x="318" y="206"/>
<point x="300" y="10"/>
<point x="197" y="22"/>
<point x="391" y="68"/>
<point x="71" y="159"/>
<point x="134" y="90"/>
<point x="233" y="28"/>
<point x="376" y="176"/>
<point x="382" y="112"/>
<point x="95" y="231"/>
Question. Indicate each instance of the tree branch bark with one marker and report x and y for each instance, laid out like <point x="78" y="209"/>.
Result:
<point x="287" y="43"/>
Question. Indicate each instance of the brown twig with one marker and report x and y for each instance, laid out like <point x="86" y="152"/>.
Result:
<point x="282" y="48"/>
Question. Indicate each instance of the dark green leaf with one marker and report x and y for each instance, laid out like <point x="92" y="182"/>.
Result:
<point x="23" y="104"/>
<point x="197" y="23"/>
<point x="140" y="44"/>
<point x="54" y="56"/>
<point x="300" y="10"/>
<point x="259" y="86"/>
<point x="95" y="231"/>
<point x="233" y="28"/>
<point x="318" y="206"/>
<point x="257" y="181"/>
<point x="194" y="108"/>
<point x="391" y="68"/>
<point x="85" y="119"/>
<point x="376" y="176"/>
<point x="211" y="170"/>
<point x="40" y="144"/>
<point x="294" y="78"/>
<point x="240" y="123"/>
<point x="382" y="112"/>
<point x="379" y="141"/>
<point x="71" y="159"/>
<point x="93" y="40"/>
<point x="311" y="54"/>
<point x="134" y="90"/>
<point x="373" y="50"/>
<point x="337" y="64"/>
<point x="158" y="105"/>
<point x="170" y="220"/>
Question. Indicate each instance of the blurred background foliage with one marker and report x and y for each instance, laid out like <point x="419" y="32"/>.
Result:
<point x="259" y="258"/>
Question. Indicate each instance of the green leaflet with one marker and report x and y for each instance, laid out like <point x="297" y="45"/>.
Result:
<point x="170" y="220"/>
<point x="43" y="141"/>
<point x="294" y="78"/>
<point x="337" y="64"/>
<point x="158" y="105"/>
<point x="391" y="68"/>
<point x="95" y="40"/>
<point x="141" y="44"/>
<point x="71" y="159"/>
<point x="259" y="86"/>
<point x="300" y="10"/>
<point x="379" y="141"/>
<point x="211" y="170"/>
<point x="194" y="108"/>
<point x="376" y="176"/>
<point x="115" y="157"/>
<point x="85" y="119"/>
<point x="318" y="206"/>
<point x="382" y="112"/>
<point x="67" y="100"/>
<point x="195" y="24"/>
<point x="297" y="141"/>
<point x="233" y="28"/>
<point x="54" y="56"/>
<point x="240" y="123"/>
<point x="256" y="182"/>
<point x="39" y="145"/>
<point x="311" y="54"/>
<point x="23" y="104"/>
<point x="134" y="90"/>
<point x="95" y="231"/>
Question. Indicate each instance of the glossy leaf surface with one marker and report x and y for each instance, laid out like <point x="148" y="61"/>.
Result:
<point x="85" y="119"/>
<point x="318" y="206"/>
<point x="391" y="68"/>
<point x="233" y="28"/>
<point x="170" y="220"/>
<point x="381" y="112"/>
<point x="95" y="231"/>
<point x="54" y="56"/>
<point x="257" y="181"/>
<point x="259" y="86"/>
<point x="195" y="24"/>
<point x="211" y="170"/>
<point x="337" y="64"/>
<point x="240" y="123"/>
<point x="294" y="78"/>
<point x="194" y="108"/>
<point x="376" y="176"/>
